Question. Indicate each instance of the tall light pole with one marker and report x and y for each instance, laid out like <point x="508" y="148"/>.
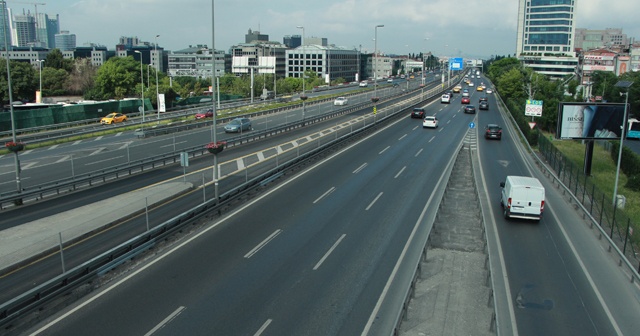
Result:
<point x="423" y="67"/>
<point x="213" y="100"/>
<point x="627" y="85"/>
<point x="448" y="67"/>
<point x="40" y="68"/>
<point x="13" y="123"/>
<point x="375" y="64"/>
<point x="304" y="68"/>
<point x="141" y="84"/>
<point x="158" y="69"/>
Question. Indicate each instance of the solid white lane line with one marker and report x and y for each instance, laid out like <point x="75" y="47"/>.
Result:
<point x="418" y="153"/>
<point x="166" y="320"/>
<point x="359" y="169"/>
<point x="400" y="172"/>
<point x="326" y="255"/>
<point x="374" y="201"/>
<point x="97" y="151"/>
<point x="171" y="144"/>
<point x="384" y="150"/>
<point x="64" y="158"/>
<point x="263" y="244"/>
<point x="332" y="189"/>
<point x="402" y="137"/>
<point x="109" y="159"/>
<point x="263" y="328"/>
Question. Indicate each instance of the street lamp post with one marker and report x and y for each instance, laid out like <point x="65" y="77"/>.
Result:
<point x="158" y="69"/>
<point x="141" y="84"/>
<point x="304" y="68"/>
<point x="627" y="85"/>
<point x="375" y="64"/>
<point x="40" y="68"/>
<point x="423" y="67"/>
<point x="213" y="100"/>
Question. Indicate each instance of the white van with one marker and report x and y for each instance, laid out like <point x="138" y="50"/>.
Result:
<point x="522" y="197"/>
<point x="445" y="99"/>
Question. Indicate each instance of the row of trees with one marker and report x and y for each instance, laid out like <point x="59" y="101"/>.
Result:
<point x="517" y="83"/>
<point x="121" y="77"/>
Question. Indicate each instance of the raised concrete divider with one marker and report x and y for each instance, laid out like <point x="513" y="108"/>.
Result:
<point x="24" y="243"/>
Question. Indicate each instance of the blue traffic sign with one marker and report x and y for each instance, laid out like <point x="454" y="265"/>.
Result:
<point x="472" y="125"/>
<point x="455" y="63"/>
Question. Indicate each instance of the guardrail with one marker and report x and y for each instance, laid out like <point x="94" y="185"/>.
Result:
<point x="71" y="279"/>
<point x="547" y="171"/>
<point x="58" y="187"/>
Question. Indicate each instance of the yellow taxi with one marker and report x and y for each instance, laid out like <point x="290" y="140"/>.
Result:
<point x="479" y="88"/>
<point x="457" y="88"/>
<point x="113" y="118"/>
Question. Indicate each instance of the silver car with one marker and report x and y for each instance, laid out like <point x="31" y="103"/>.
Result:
<point x="238" y="125"/>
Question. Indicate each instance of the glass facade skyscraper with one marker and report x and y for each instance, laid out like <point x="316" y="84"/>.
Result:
<point x="546" y="33"/>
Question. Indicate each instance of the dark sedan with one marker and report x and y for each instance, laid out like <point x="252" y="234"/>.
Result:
<point x="493" y="131"/>
<point x="483" y="105"/>
<point x="417" y="113"/>
<point x="470" y="109"/>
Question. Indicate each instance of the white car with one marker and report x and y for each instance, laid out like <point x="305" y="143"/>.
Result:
<point x="446" y="99"/>
<point x="430" y="122"/>
<point x="470" y="83"/>
<point x="364" y="84"/>
<point x="489" y="91"/>
<point x="390" y="80"/>
<point x="341" y="101"/>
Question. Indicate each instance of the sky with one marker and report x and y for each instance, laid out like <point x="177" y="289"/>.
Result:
<point x="470" y="28"/>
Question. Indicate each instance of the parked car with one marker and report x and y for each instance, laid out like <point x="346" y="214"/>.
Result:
<point x="238" y="125"/>
<point x="113" y="118"/>
<point x="470" y="109"/>
<point x="465" y="100"/>
<point x="417" y="112"/>
<point x="206" y="114"/>
<point x="493" y="131"/>
<point x="341" y="101"/>
<point x="430" y="122"/>
<point x="484" y="105"/>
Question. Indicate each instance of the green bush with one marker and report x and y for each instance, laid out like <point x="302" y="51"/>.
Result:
<point x="633" y="182"/>
<point x="629" y="162"/>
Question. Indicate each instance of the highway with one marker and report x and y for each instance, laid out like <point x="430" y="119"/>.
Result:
<point x="312" y="255"/>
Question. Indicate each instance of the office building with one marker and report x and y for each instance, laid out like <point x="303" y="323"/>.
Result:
<point x="5" y="21"/>
<point x="255" y="36"/>
<point x="545" y="36"/>
<point x="256" y="55"/>
<point x="23" y="30"/>
<point x="46" y="29"/>
<point x="327" y="61"/>
<point x="292" y="41"/>
<point x="65" y="40"/>
<point x="195" y="61"/>
<point x="588" y="39"/>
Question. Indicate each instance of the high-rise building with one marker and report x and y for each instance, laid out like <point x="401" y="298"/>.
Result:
<point x="65" y="41"/>
<point x="292" y="41"/>
<point x="253" y="36"/>
<point x="546" y="36"/>
<point x="46" y="29"/>
<point x="24" y="30"/>
<point x="5" y="26"/>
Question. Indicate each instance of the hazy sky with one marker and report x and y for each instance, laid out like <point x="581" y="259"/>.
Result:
<point x="470" y="28"/>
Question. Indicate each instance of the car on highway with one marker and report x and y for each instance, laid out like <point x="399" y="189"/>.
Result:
<point x="479" y="88"/>
<point x="457" y="88"/>
<point x="471" y="84"/>
<point x="390" y="80"/>
<point x="238" y="125"/>
<point x="465" y="93"/>
<point x="489" y="91"/>
<point x="445" y="99"/>
<point x="430" y="122"/>
<point x="465" y="100"/>
<point x="493" y="131"/>
<point x="206" y="114"/>
<point x="341" y="101"/>
<point x="483" y="105"/>
<point x="418" y="112"/>
<point x="483" y="98"/>
<point x="113" y="118"/>
<point x="470" y="109"/>
<point x="363" y="84"/>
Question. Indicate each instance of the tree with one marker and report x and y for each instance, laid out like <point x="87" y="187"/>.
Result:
<point x="117" y="78"/>
<point x="24" y="81"/>
<point x="82" y="77"/>
<point x="57" y="61"/>
<point x="54" y="81"/>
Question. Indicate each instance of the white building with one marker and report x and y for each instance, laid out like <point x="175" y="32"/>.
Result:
<point x="383" y="66"/>
<point x="195" y="61"/>
<point x="328" y="62"/>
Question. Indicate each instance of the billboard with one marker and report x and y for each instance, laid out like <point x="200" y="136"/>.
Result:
<point x="590" y="121"/>
<point x="533" y="108"/>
